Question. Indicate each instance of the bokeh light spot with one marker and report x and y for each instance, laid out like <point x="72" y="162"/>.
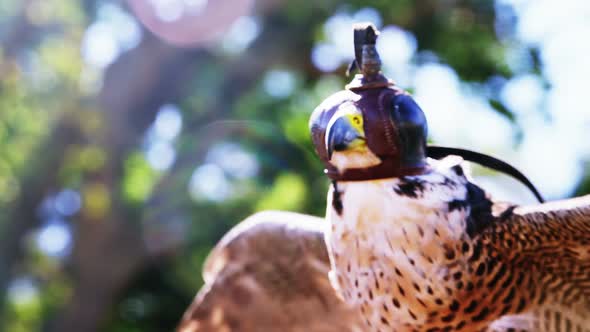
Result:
<point x="99" y="47"/>
<point x="67" y="202"/>
<point x="240" y="35"/>
<point x="523" y="94"/>
<point x="209" y="182"/>
<point x="54" y="238"/>
<point x="22" y="291"/>
<point x="233" y="160"/>
<point x="161" y="155"/>
<point x="113" y="33"/>
<point x="368" y="14"/>
<point x="168" y="122"/>
<point x="279" y="83"/>
<point x="326" y="57"/>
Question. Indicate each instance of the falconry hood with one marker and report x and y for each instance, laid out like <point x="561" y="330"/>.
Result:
<point x="394" y="126"/>
<point x="386" y="120"/>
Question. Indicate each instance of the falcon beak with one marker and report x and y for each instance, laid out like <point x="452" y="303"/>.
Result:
<point x="345" y="133"/>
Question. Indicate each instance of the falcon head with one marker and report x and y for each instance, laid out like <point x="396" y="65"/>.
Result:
<point x="373" y="129"/>
<point x="346" y="143"/>
<point x="370" y="133"/>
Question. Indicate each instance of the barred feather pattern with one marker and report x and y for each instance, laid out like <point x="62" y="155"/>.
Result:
<point x="434" y="253"/>
<point x="549" y="245"/>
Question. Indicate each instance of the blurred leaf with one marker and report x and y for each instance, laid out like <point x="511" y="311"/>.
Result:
<point x="97" y="200"/>
<point x="287" y="193"/>
<point x="139" y="178"/>
<point x="500" y="108"/>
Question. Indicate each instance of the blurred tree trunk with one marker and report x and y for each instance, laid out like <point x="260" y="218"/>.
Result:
<point x="109" y="248"/>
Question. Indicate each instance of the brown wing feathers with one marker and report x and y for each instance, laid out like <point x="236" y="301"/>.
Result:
<point x="269" y="274"/>
<point x="546" y="251"/>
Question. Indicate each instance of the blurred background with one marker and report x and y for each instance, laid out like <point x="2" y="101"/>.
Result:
<point x="133" y="135"/>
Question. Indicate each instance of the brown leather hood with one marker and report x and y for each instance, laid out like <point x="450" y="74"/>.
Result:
<point x="384" y="107"/>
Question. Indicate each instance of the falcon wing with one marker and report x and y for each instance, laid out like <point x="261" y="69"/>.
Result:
<point x="269" y="273"/>
<point x="546" y="248"/>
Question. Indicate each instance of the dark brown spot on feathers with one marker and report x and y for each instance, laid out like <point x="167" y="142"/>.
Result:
<point x="458" y="170"/>
<point x="449" y="253"/>
<point x="458" y="204"/>
<point x="401" y="290"/>
<point x="508" y="282"/>
<point x="481" y="315"/>
<point x="420" y="230"/>
<point x="521" y="305"/>
<point x="465" y="247"/>
<point x="471" y="307"/>
<point x="448" y="318"/>
<point x="422" y="303"/>
<point x="409" y="187"/>
<point x="480" y="216"/>
<point x="461" y="325"/>
<point x="416" y="287"/>
<point x="337" y="200"/>
<point x="499" y="274"/>
<point x="476" y="252"/>
<point x="481" y="269"/>
<point x="491" y="265"/>
<point x="520" y="278"/>
<point x="509" y="296"/>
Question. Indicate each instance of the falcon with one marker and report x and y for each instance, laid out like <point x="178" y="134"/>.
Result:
<point x="416" y="245"/>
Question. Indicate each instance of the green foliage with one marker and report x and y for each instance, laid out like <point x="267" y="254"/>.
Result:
<point x="287" y="193"/>
<point x="139" y="178"/>
<point x="22" y="126"/>
<point x="25" y="314"/>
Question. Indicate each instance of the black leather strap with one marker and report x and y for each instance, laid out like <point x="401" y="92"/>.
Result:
<point x="439" y="152"/>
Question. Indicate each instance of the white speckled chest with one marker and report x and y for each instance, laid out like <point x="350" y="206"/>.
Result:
<point x="392" y="245"/>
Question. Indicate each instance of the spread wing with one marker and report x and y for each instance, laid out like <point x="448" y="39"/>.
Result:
<point x="269" y="273"/>
<point x="546" y="249"/>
